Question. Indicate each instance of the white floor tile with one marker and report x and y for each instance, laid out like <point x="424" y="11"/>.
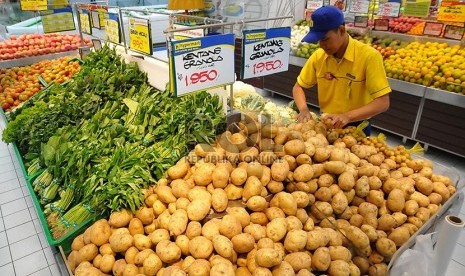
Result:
<point x="33" y="212"/>
<point x="14" y="206"/>
<point x="25" y="247"/>
<point x="11" y="195"/>
<point x="30" y="264"/>
<point x="455" y="269"/>
<point x="7" y="167"/>
<point x="17" y="219"/>
<point x="43" y="272"/>
<point x="7" y="269"/>
<point x="25" y="190"/>
<point x="2" y="224"/>
<point x="5" y="256"/>
<point x="9" y="181"/>
<point x="38" y="226"/>
<point x="5" y="160"/>
<point x="56" y="271"/>
<point x="49" y="255"/>
<point x="21" y="232"/>
<point x="3" y="240"/>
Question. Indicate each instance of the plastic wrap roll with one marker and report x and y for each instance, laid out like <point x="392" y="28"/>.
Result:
<point x="447" y="238"/>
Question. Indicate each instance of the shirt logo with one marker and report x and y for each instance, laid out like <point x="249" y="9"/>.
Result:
<point x="350" y="76"/>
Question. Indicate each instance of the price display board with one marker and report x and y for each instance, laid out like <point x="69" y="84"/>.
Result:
<point x="95" y="16"/>
<point x="433" y="28"/>
<point x="112" y="31"/>
<point x="417" y="8"/>
<point x="188" y="33"/>
<point x="58" y="20"/>
<point x="361" y="21"/>
<point x="452" y="11"/>
<point x="140" y="36"/>
<point x="359" y="6"/>
<point x="454" y="32"/>
<point x="314" y="4"/>
<point x="265" y="52"/>
<point x="381" y="24"/>
<point x="201" y="63"/>
<point x="33" y="5"/>
<point x="389" y="9"/>
<point x="84" y="18"/>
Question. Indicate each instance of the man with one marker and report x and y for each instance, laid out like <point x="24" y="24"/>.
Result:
<point x="352" y="83"/>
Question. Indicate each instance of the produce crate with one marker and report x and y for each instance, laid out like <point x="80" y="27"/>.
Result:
<point x="21" y="162"/>
<point x="65" y="241"/>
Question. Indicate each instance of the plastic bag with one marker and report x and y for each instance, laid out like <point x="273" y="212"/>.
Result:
<point x="417" y="261"/>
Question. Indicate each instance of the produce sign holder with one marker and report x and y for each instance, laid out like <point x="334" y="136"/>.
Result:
<point x="58" y="20"/>
<point x="140" y="35"/>
<point x="33" y="5"/>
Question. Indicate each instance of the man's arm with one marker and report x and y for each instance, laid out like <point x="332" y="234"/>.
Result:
<point x="377" y="106"/>
<point x="301" y="102"/>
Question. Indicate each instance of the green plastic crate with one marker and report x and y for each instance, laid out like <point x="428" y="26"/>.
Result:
<point x="65" y="241"/>
<point x="21" y="162"/>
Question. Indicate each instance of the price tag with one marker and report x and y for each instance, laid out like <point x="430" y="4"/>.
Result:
<point x="140" y="36"/>
<point x="381" y="24"/>
<point x="433" y="28"/>
<point x="33" y="5"/>
<point x="452" y="11"/>
<point x="58" y="20"/>
<point x="417" y="8"/>
<point x="361" y="21"/>
<point x="95" y="19"/>
<point x="201" y="63"/>
<point x="340" y="4"/>
<point x="103" y="15"/>
<point x="454" y="32"/>
<point x="359" y="6"/>
<point x="85" y="22"/>
<point x="56" y="4"/>
<point x="390" y="9"/>
<point x="314" y="4"/>
<point x="265" y="52"/>
<point x="112" y="31"/>
<point x="187" y="34"/>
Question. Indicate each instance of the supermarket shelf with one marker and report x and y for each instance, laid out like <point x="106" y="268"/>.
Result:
<point x="30" y="60"/>
<point x="445" y="97"/>
<point x="407" y="87"/>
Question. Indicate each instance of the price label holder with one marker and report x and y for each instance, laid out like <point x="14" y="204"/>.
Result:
<point x="359" y="6"/>
<point x="97" y="44"/>
<point x="112" y="31"/>
<point x="201" y="63"/>
<point x="265" y="52"/>
<point x="361" y="21"/>
<point x="417" y="8"/>
<point x="433" y="28"/>
<point x="140" y="36"/>
<point x="390" y="9"/>
<point x="95" y="16"/>
<point x="454" y="32"/>
<point x="314" y="4"/>
<point x="84" y="18"/>
<point x="187" y="34"/>
<point x="381" y="24"/>
<point x="452" y="11"/>
<point x="33" y="5"/>
<point x="58" y="20"/>
<point x="103" y="16"/>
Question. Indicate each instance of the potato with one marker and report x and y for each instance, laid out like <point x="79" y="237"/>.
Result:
<point x="335" y="167"/>
<point x="130" y="270"/>
<point x="303" y="173"/>
<point x="421" y="199"/>
<point x="200" y="247"/>
<point x="243" y="243"/>
<point x="298" y="260"/>
<point x="376" y="197"/>
<point x="399" y="236"/>
<point x="321" y="209"/>
<point x="219" y="200"/>
<point x="233" y="192"/>
<point x="198" y="209"/>
<point x="362" y="187"/>
<point x="257" y="231"/>
<point x="182" y="241"/>
<point x="370" y="231"/>
<point x="106" y="250"/>
<point x="141" y="256"/>
<point x="159" y="235"/>
<point x="142" y="242"/>
<point x="294" y="147"/>
<point x="366" y="209"/>
<point x="260" y="218"/>
<point x="249" y="154"/>
<point x="78" y="243"/>
<point x="211" y="228"/>
<point x="87" y="252"/>
<point x="340" y="253"/>
<point x="223" y="246"/>
<point x="424" y="214"/>
<point x="323" y="194"/>
<point x="378" y="270"/>
<point x="339" y="203"/>
<point x="276" y="229"/>
<point x="194" y="229"/>
<point x="257" y="203"/>
<point x="203" y="174"/>
<point x="317" y="238"/>
<point x="100" y="232"/>
<point x="279" y="170"/>
<point x="152" y="264"/>
<point x="287" y="203"/>
<point x="164" y="219"/>
<point x="238" y="176"/>
<point x="106" y="263"/>
<point x="230" y="226"/>
<point x="241" y="214"/>
<point x="120" y="219"/>
<point x="339" y="267"/>
<point x="396" y="200"/>
<point x="295" y="240"/>
<point x="252" y="187"/>
<point x="158" y="208"/>
<point x="284" y="269"/>
<point x="386" y="247"/>
<point x="268" y="257"/>
<point x="440" y="188"/>
<point x="321" y="259"/>
<point x="121" y="242"/>
<point x="168" y="251"/>
<point x="359" y="239"/>
<point x="198" y="268"/>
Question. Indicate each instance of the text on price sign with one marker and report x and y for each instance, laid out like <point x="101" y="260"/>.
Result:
<point x="202" y="57"/>
<point x="267" y="66"/>
<point x="204" y="76"/>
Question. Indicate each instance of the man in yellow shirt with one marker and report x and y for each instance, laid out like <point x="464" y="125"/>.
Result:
<point x="352" y="83"/>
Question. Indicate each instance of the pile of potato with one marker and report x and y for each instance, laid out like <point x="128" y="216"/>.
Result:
<point x="269" y="200"/>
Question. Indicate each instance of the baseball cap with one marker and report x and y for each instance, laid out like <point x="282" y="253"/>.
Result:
<point x="324" y="19"/>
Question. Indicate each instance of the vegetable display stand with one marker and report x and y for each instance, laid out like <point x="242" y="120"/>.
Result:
<point x="21" y="162"/>
<point x="66" y="240"/>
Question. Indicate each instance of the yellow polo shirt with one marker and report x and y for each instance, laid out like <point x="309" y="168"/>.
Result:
<point x="356" y="80"/>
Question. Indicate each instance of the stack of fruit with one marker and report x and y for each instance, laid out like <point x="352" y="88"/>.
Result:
<point x="403" y="24"/>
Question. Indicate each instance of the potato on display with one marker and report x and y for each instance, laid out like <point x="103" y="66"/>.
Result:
<point x="279" y="170"/>
<point x="267" y="257"/>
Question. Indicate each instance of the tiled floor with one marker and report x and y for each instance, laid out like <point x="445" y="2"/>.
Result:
<point x="23" y="246"/>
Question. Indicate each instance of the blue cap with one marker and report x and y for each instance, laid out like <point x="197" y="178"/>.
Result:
<point x="324" y="19"/>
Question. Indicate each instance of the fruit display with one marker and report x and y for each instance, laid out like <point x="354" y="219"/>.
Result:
<point x="18" y="84"/>
<point x="28" y="45"/>
<point x="270" y="200"/>
<point x="418" y="28"/>
<point x="403" y="24"/>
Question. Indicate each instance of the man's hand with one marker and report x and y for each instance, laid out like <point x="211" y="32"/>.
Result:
<point x="304" y="116"/>
<point x="337" y="120"/>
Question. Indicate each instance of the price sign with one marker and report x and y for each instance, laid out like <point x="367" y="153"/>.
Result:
<point x="201" y="63"/>
<point x="417" y="8"/>
<point x="112" y="31"/>
<point x="140" y="36"/>
<point x="314" y="4"/>
<point x="433" y="28"/>
<point x="452" y="11"/>
<point x="58" y="3"/>
<point x="265" y="52"/>
<point x="454" y="32"/>
<point x="187" y="34"/>
<point x="33" y="5"/>
<point x="58" y="20"/>
<point x="95" y="19"/>
<point x="381" y="24"/>
<point x="390" y="9"/>
<point x="103" y="15"/>
<point x="359" y="6"/>
<point x="361" y="21"/>
<point x="84" y="18"/>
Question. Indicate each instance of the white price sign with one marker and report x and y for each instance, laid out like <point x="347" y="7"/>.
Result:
<point x="359" y="6"/>
<point x="314" y="4"/>
<point x="265" y="52"/>
<point x="202" y="63"/>
<point x="389" y="9"/>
